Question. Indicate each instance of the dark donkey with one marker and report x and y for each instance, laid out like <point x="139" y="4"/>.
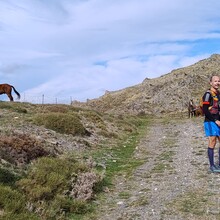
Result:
<point x="191" y="109"/>
<point x="6" y="89"/>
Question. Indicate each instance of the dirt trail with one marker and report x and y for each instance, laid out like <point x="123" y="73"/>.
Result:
<point x="173" y="183"/>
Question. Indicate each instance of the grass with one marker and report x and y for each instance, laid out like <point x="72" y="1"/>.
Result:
<point x="167" y="156"/>
<point x="8" y="177"/>
<point x="61" y="123"/>
<point x="15" y="107"/>
<point x="192" y="203"/>
<point x="52" y="188"/>
<point x="161" y="168"/>
<point x="141" y="201"/>
<point x="124" y="195"/>
<point x="122" y="160"/>
<point x="48" y="190"/>
<point x="119" y="160"/>
<point x="14" y="205"/>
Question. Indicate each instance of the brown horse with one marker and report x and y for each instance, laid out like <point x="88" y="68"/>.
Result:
<point x="194" y="110"/>
<point x="198" y="111"/>
<point x="6" y="89"/>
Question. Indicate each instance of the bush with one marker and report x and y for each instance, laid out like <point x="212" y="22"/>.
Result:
<point x="11" y="200"/>
<point x="13" y="205"/>
<point x="62" y="123"/>
<point x="55" y="108"/>
<point x="19" y="216"/>
<point x="13" y="106"/>
<point x="57" y="186"/>
<point x="20" y="149"/>
<point x="93" y="116"/>
<point x="7" y="177"/>
<point x="50" y="176"/>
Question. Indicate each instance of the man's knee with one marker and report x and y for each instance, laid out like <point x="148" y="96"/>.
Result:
<point x="212" y="142"/>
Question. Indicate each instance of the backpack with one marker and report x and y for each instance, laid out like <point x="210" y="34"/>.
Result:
<point x="201" y="100"/>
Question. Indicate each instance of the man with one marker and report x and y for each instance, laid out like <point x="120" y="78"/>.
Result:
<point x="211" y="109"/>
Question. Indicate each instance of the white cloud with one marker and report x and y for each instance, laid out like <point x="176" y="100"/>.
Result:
<point x="48" y="44"/>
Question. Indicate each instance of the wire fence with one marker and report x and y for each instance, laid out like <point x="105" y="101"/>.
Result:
<point x="41" y="99"/>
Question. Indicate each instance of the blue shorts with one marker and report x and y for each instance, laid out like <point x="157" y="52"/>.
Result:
<point x="211" y="129"/>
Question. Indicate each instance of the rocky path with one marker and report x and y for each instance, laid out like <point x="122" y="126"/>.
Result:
<point x="173" y="183"/>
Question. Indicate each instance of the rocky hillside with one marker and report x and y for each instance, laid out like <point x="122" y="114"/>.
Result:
<point x="54" y="130"/>
<point x="166" y="94"/>
<point x="53" y="158"/>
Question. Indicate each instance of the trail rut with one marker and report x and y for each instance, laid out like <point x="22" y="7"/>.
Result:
<point x="173" y="182"/>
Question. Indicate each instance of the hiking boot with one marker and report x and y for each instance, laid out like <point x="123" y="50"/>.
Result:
<point x="217" y="166"/>
<point x="214" y="169"/>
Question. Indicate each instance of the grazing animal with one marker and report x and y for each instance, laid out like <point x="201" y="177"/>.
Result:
<point x="198" y="111"/>
<point x="191" y="109"/>
<point x="6" y="89"/>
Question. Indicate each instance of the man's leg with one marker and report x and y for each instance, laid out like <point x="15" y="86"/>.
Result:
<point x="212" y="143"/>
<point x="219" y="153"/>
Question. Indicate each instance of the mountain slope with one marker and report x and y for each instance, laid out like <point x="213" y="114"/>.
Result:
<point x="166" y="94"/>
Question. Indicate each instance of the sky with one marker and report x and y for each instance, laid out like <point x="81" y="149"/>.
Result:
<point x="58" y="51"/>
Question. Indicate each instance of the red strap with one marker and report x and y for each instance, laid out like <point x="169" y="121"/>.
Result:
<point x="206" y="103"/>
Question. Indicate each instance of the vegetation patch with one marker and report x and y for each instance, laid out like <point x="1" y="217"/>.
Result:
<point x="55" y="108"/>
<point x="13" y="205"/>
<point x="61" y="187"/>
<point x="93" y="116"/>
<point x="160" y="168"/>
<point x="120" y="158"/>
<point x="170" y="142"/>
<point x="8" y="177"/>
<point x="141" y="201"/>
<point x="13" y="106"/>
<point x="61" y="123"/>
<point x="20" y="149"/>
<point x="52" y="189"/>
<point x="191" y="203"/>
<point x="167" y="156"/>
<point x="124" y="195"/>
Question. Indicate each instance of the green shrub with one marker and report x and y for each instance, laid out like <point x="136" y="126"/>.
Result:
<point x="79" y="207"/>
<point x="7" y="177"/>
<point x="17" y="107"/>
<point x="62" y="123"/>
<point x="61" y="203"/>
<point x="19" y="216"/>
<point x="49" y="176"/>
<point x="21" y="110"/>
<point x="55" y="108"/>
<point x="50" y="182"/>
<point x="93" y="116"/>
<point x="11" y="200"/>
<point x="108" y="134"/>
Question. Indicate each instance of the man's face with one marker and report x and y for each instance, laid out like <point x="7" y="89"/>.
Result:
<point x="215" y="83"/>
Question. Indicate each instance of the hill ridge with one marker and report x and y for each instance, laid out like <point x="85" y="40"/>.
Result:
<point x="166" y="94"/>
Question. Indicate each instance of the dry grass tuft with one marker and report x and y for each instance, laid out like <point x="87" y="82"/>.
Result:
<point x="20" y="149"/>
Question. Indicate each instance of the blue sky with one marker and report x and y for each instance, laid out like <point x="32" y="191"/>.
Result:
<point x="77" y="49"/>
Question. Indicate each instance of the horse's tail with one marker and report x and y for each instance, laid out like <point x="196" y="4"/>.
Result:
<point x="19" y="96"/>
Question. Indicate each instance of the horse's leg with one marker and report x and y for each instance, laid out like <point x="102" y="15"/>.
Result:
<point x="10" y="97"/>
